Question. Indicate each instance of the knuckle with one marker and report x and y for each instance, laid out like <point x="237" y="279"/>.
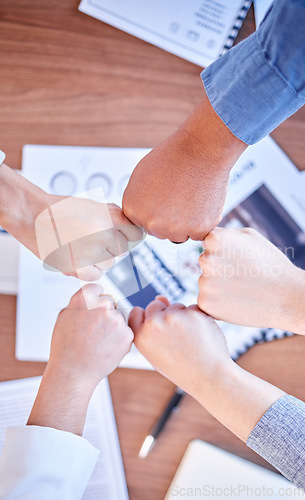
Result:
<point x="249" y="230"/>
<point x="62" y="312"/>
<point x="170" y="318"/>
<point x="117" y="320"/>
<point x="154" y="225"/>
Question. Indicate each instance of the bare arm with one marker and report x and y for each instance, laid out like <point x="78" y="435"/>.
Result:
<point x="189" y="348"/>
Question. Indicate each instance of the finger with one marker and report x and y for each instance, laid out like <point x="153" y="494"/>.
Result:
<point x="156" y="306"/>
<point x="89" y="273"/>
<point x="194" y="307"/>
<point x="95" y="297"/>
<point x="117" y="243"/>
<point x="105" y="265"/>
<point x="163" y="299"/>
<point x="136" y="319"/>
<point x="131" y="231"/>
<point x="78" y="300"/>
<point x="128" y="213"/>
<point x="88" y="251"/>
<point x="177" y="237"/>
<point x="211" y="238"/>
<point x="156" y="233"/>
<point x="176" y="307"/>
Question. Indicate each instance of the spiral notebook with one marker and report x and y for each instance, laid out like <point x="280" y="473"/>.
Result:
<point x="196" y="30"/>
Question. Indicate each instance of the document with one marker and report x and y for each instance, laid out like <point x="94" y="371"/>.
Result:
<point x="196" y="30"/>
<point x="108" y="479"/>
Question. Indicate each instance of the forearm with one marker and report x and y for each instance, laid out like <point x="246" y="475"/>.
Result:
<point x="237" y="398"/>
<point x="61" y="402"/>
<point x="291" y="303"/>
<point x="203" y="129"/>
<point x="20" y="204"/>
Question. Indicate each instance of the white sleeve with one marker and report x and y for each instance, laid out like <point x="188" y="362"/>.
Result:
<point x="2" y="157"/>
<point x="43" y="463"/>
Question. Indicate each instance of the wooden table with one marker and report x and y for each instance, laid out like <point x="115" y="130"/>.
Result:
<point x="66" y="78"/>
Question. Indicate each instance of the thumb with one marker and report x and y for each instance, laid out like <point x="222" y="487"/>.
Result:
<point x="136" y="319"/>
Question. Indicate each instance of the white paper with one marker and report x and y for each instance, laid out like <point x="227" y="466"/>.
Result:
<point x="108" y="479"/>
<point x="195" y="30"/>
<point x="260" y="10"/>
<point x="215" y="473"/>
<point x="9" y="256"/>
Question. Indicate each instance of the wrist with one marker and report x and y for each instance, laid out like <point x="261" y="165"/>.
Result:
<point x="68" y="380"/>
<point x="20" y="204"/>
<point x="212" y="137"/>
<point x="62" y="402"/>
<point x="238" y="399"/>
<point x="292" y="303"/>
<point x="208" y="382"/>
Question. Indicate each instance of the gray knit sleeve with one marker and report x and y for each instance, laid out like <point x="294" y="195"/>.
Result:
<point x="279" y="437"/>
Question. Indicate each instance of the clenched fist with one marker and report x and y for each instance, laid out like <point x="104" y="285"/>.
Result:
<point x="178" y="190"/>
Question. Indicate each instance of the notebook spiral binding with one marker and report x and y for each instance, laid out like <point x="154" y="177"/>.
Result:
<point x="237" y="25"/>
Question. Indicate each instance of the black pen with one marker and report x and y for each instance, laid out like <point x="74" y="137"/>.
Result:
<point x="150" y="440"/>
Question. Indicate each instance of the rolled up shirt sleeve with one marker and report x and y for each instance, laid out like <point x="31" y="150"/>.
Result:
<point x="43" y="463"/>
<point x="259" y="83"/>
<point x="279" y="437"/>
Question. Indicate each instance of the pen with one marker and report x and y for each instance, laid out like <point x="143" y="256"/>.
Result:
<point x="150" y="440"/>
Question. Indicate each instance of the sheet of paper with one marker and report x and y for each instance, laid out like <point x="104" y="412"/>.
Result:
<point x="9" y="257"/>
<point x="108" y="479"/>
<point x="263" y="173"/>
<point x="208" y="471"/>
<point x="195" y="30"/>
<point x="260" y="10"/>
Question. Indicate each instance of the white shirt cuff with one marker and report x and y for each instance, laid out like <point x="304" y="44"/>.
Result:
<point x="2" y="157"/>
<point x="40" y="462"/>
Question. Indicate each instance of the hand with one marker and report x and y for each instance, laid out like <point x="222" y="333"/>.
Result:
<point x="91" y="235"/>
<point x="247" y="280"/>
<point x="87" y="345"/>
<point x="76" y="236"/>
<point x="183" y="344"/>
<point x="178" y="190"/>
<point x="188" y="347"/>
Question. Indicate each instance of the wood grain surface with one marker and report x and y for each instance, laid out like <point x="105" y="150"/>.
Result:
<point x="66" y="78"/>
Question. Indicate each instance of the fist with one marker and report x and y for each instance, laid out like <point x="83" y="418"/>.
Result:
<point x="88" y="344"/>
<point x="182" y="343"/>
<point x="245" y="279"/>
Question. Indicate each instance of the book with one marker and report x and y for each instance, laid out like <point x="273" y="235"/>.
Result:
<point x="196" y="30"/>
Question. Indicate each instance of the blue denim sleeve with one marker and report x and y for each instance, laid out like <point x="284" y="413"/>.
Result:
<point x="259" y="83"/>
<point x="279" y="437"/>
